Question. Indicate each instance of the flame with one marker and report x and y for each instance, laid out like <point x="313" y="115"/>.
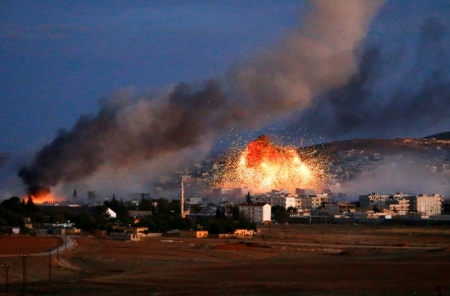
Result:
<point x="263" y="166"/>
<point x="45" y="198"/>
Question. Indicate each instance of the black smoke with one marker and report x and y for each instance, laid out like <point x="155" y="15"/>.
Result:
<point x="126" y="135"/>
<point x="413" y="106"/>
<point x="310" y="59"/>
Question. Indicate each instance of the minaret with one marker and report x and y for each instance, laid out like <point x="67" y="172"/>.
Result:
<point x="182" y="197"/>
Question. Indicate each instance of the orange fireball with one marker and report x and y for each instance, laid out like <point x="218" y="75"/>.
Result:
<point x="263" y="166"/>
<point x="45" y="198"/>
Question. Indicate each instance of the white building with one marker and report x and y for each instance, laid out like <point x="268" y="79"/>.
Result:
<point x="426" y="204"/>
<point x="256" y="212"/>
<point x="111" y="213"/>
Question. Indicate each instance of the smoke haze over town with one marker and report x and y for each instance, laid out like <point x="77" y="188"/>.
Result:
<point x="327" y="69"/>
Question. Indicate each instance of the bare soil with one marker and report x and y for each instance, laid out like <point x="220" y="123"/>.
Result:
<point x="288" y="260"/>
<point x="19" y="244"/>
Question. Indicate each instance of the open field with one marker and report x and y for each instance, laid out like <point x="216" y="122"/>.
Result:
<point x="18" y="245"/>
<point x="290" y="260"/>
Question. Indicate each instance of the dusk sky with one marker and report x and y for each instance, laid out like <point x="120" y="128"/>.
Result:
<point x="59" y="59"/>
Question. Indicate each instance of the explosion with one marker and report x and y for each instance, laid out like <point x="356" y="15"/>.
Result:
<point x="131" y="130"/>
<point x="263" y="166"/>
<point x="41" y="194"/>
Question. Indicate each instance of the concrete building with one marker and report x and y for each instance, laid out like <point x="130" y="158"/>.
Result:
<point x="373" y="199"/>
<point x="284" y="201"/>
<point x="337" y="208"/>
<point x="194" y="233"/>
<point x="400" y="206"/>
<point x="66" y="231"/>
<point x="243" y="233"/>
<point x="276" y="198"/>
<point x="136" y="230"/>
<point x="314" y="201"/>
<point x="256" y="212"/>
<point x="427" y="205"/>
<point x="124" y="236"/>
<point x="194" y="201"/>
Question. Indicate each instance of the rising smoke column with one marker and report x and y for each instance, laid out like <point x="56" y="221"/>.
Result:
<point x="318" y="55"/>
<point x="414" y="103"/>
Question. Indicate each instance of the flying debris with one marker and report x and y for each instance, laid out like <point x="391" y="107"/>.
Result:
<point x="264" y="166"/>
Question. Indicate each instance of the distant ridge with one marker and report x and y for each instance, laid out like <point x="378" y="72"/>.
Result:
<point x="410" y="146"/>
<point x="441" y="136"/>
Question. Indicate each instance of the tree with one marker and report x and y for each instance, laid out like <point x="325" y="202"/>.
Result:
<point x="235" y="213"/>
<point x="196" y="209"/>
<point x="163" y="206"/>
<point x="113" y="204"/>
<point x="220" y="212"/>
<point x="175" y="206"/>
<point x="279" y="214"/>
<point x="131" y="206"/>
<point x="101" y="217"/>
<point x="14" y="204"/>
<point x="12" y="210"/>
<point x="222" y="226"/>
<point x="292" y="209"/>
<point x="3" y="222"/>
<point x="145" y="204"/>
<point x="86" y="222"/>
<point x="245" y="223"/>
<point x="30" y="207"/>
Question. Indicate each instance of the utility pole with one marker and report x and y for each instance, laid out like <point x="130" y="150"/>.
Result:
<point x="24" y="273"/>
<point x="57" y="253"/>
<point x="49" y="265"/>
<point x="7" y="267"/>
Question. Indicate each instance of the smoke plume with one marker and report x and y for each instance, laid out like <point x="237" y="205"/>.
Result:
<point x="319" y="55"/>
<point x="383" y="99"/>
<point x="412" y="176"/>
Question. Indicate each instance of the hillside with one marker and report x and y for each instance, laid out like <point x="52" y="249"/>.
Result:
<point x="384" y="146"/>
<point x="440" y="136"/>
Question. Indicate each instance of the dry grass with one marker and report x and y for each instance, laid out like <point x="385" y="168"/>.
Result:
<point x="220" y="267"/>
<point x="19" y="244"/>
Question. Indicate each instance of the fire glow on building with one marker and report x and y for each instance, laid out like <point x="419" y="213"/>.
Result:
<point x="263" y="166"/>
